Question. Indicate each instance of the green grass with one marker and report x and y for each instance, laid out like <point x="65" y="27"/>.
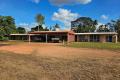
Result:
<point x="112" y="46"/>
<point x="31" y="67"/>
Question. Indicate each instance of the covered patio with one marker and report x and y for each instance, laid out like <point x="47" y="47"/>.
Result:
<point x="96" y="37"/>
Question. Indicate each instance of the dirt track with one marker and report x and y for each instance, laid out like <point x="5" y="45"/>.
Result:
<point x="55" y="50"/>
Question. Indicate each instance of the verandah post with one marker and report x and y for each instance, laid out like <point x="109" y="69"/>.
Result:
<point x="116" y="39"/>
<point x="29" y="38"/>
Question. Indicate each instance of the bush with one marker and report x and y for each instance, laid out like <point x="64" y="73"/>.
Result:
<point x="2" y="38"/>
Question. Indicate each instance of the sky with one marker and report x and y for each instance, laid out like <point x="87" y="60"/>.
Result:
<point x="59" y="11"/>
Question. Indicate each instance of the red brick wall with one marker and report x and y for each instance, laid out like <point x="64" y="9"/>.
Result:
<point x="71" y="37"/>
<point x="103" y="38"/>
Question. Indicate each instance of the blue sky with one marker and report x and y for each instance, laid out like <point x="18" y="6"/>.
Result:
<point x="60" y="11"/>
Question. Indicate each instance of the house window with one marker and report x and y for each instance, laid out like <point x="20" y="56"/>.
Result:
<point x="94" y="38"/>
<point x="109" y="38"/>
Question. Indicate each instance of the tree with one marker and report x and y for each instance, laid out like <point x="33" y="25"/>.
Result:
<point x="84" y="24"/>
<point x="46" y="29"/>
<point x="7" y="25"/>
<point x="95" y="22"/>
<point x="37" y="27"/>
<point x="21" y="30"/>
<point x="117" y="27"/>
<point x="103" y="28"/>
<point x="40" y="20"/>
<point x="50" y="28"/>
<point x="56" y="26"/>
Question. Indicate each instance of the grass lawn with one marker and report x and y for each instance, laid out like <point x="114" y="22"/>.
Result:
<point x="31" y="67"/>
<point x="110" y="46"/>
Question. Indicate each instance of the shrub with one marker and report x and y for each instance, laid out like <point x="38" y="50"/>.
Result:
<point x="2" y="38"/>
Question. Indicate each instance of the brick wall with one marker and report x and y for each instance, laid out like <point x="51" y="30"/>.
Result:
<point x="102" y="38"/>
<point x="71" y="37"/>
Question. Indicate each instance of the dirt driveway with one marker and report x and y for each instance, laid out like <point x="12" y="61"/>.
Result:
<point x="55" y="50"/>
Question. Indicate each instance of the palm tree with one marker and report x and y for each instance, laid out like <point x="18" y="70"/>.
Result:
<point x="40" y="20"/>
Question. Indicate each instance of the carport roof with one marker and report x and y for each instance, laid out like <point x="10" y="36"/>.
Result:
<point x="51" y="32"/>
<point x="44" y="32"/>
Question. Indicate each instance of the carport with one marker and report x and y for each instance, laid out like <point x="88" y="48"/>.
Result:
<point x="52" y="36"/>
<point x="45" y="36"/>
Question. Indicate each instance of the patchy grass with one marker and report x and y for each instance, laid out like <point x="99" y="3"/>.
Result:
<point x="12" y="42"/>
<point x="31" y="67"/>
<point x="110" y="46"/>
<point x="9" y="42"/>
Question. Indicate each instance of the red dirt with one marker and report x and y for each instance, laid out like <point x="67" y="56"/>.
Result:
<point x="55" y="50"/>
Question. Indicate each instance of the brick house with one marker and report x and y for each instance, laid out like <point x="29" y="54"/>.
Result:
<point x="68" y="36"/>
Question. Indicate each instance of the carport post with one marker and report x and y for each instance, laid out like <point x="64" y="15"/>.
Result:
<point x="46" y="37"/>
<point x="29" y="38"/>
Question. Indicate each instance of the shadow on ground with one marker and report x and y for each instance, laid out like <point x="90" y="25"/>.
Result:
<point x="1" y="45"/>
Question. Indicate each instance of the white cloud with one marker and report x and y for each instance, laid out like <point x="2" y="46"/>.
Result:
<point x="67" y="2"/>
<point x="65" y="16"/>
<point x="44" y="26"/>
<point x="84" y="1"/>
<point x="36" y="1"/>
<point x="27" y="26"/>
<point x="105" y="17"/>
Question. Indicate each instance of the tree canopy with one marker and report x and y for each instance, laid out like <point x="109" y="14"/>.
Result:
<point x="55" y="26"/>
<point x="21" y="30"/>
<point x="40" y="19"/>
<point x="116" y="25"/>
<point x="103" y="28"/>
<point x="7" y="25"/>
<point x="85" y="24"/>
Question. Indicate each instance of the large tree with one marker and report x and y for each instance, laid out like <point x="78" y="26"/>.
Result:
<point x="21" y="30"/>
<point x="40" y="28"/>
<point x="40" y="20"/>
<point x="7" y="25"/>
<point x="37" y="27"/>
<point x="103" y="28"/>
<point x="117" y="27"/>
<point x="85" y="24"/>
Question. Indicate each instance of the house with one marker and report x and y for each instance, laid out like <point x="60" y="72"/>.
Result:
<point x="68" y="36"/>
<point x="96" y="37"/>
